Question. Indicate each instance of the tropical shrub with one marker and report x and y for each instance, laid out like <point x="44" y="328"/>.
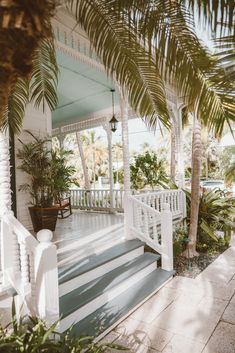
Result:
<point x="31" y="335"/>
<point x="215" y="219"/>
<point x="49" y="175"/>
<point x="148" y="170"/>
<point x="180" y="239"/>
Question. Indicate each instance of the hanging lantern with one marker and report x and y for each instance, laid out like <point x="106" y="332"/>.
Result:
<point x="113" y="122"/>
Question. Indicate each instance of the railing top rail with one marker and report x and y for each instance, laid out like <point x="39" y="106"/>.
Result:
<point x="23" y="235"/>
<point x="71" y="189"/>
<point x="143" y="205"/>
<point x="157" y="192"/>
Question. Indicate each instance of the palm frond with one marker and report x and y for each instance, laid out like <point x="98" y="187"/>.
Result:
<point x="215" y="13"/>
<point x="167" y="29"/>
<point x="44" y="75"/>
<point x="17" y="102"/>
<point x="188" y="65"/>
<point x="116" y="43"/>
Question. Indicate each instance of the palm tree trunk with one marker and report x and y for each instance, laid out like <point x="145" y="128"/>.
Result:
<point x="83" y="160"/>
<point x="195" y="188"/>
<point x="173" y="153"/>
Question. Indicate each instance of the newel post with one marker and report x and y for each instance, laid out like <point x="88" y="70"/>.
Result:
<point x="167" y="238"/>
<point x="46" y="271"/>
<point x="129" y="216"/>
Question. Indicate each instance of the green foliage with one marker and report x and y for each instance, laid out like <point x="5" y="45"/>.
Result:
<point x="39" y="88"/>
<point x="148" y="171"/>
<point x="180" y="239"/>
<point x="31" y="335"/>
<point x="216" y="214"/>
<point x="230" y="173"/>
<point x="118" y="176"/>
<point x="49" y="175"/>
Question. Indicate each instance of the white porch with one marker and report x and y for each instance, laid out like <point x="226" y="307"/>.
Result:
<point x="98" y="264"/>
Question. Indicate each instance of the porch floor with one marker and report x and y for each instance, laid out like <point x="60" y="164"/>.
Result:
<point x="72" y="232"/>
<point x="83" y="223"/>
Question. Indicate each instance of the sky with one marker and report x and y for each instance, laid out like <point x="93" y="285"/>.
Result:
<point x="138" y="135"/>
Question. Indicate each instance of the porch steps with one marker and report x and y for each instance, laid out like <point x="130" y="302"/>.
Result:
<point x="91" y="267"/>
<point x="82" y="301"/>
<point x="108" y="316"/>
<point x="92" y="245"/>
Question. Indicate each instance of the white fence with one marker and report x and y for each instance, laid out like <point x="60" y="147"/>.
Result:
<point x="151" y="226"/>
<point x="97" y="199"/>
<point x="174" y="198"/>
<point x="30" y="267"/>
<point x="100" y="199"/>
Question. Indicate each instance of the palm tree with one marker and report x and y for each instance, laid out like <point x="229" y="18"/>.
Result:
<point x="95" y="152"/>
<point x="83" y="160"/>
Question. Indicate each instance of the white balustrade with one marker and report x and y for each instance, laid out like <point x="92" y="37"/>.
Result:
<point x="97" y="199"/>
<point x="30" y="267"/>
<point x="154" y="227"/>
<point x="156" y="199"/>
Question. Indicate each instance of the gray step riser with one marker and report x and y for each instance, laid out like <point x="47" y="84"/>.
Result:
<point x="94" y="248"/>
<point x="93" y="305"/>
<point x="99" y="271"/>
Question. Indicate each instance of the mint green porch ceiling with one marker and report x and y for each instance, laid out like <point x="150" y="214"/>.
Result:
<point x="82" y="91"/>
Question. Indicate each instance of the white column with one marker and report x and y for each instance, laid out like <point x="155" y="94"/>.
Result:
<point x="125" y="145"/>
<point x="109" y="138"/>
<point x="179" y="146"/>
<point x="5" y="179"/>
<point x="167" y="238"/>
<point x="126" y="165"/>
<point x="5" y="192"/>
<point x="61" y="138"/>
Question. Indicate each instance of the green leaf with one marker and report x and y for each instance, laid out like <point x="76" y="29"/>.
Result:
<point x="44" y="76"/>
<point x="207" y="229"/>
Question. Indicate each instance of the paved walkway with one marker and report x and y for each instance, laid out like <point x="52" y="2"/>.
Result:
<point x="187" y="315"/>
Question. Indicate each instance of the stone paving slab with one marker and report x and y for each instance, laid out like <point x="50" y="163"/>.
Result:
<point x="149" y="335"/>
<point x="204" y="287"/>
<point x="229" y="314"/>
<point x="180" y="344"/>
<point x="222" y="339"/>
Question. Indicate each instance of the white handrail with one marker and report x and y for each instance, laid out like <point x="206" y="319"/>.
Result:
<point x="151" y="226"/>
<point x="30" y="267"/>
<point x="175" y="198"/>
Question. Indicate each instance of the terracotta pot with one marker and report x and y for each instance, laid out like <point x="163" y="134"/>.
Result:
<point x="43" y="218"/>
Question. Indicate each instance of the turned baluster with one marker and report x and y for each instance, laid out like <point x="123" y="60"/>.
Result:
<point x="24" y="264"/>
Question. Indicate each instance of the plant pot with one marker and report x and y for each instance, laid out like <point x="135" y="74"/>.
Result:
<point x="43" y="218"/>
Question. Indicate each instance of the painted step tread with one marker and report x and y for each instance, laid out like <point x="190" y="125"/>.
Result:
<point x="93" y="261"/>
<point x="84" y="294"/>
<point x="110" y="313"/>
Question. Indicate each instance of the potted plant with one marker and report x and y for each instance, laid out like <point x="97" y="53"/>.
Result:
<point x="49" y="177"/>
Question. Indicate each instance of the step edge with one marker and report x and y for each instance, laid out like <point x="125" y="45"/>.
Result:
<point x="149" y="263"/>
<point x="82" y="278"/>
<point x="103" y="334"/>
<point x="68" y="319"/>
<point x="140" y="245"/>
